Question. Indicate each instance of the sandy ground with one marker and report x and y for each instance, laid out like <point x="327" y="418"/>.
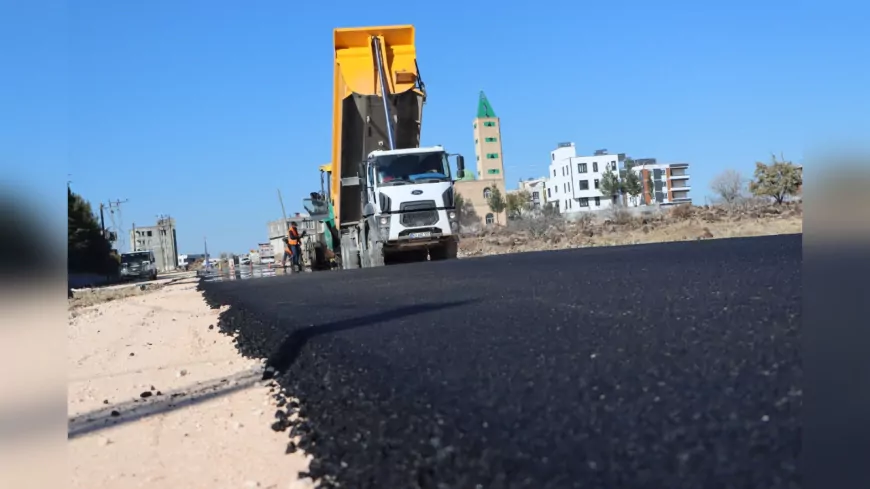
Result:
<point x="159" y="398"/>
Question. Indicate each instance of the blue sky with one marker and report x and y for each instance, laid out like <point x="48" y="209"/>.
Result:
<point x="202" y="109"/>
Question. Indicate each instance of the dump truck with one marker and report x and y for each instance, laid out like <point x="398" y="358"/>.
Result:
<point x="387" y="197"/>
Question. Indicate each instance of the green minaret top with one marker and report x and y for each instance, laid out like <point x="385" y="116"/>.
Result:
<point x="484" y="108"/>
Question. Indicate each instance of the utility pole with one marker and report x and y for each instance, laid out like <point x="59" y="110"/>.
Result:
<point x="205" y="244"/>
<point x="117" y="225"/>
<point x="283" y="213"/>
<point x="102" y="221"/>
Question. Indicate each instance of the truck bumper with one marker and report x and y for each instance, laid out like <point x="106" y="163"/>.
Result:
<point x="401" y="237"/>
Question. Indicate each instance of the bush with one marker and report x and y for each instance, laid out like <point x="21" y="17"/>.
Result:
<point x="682" y="211"/>
<point x="618" y="214"/>
<point x="536" y="227"/>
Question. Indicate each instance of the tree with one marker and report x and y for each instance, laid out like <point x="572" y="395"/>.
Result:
<point x="610" y="184"/>
<point x="728" y="185"/>
<point x="779" y="179"/>
<point x="465" y="209"/>
<point x="549" y="210"/>
<point x="651" y="188"/>
<point x="496" y="202"/>
<point x="631" y="184"/>
<point x="518" y="203"/>
<point x="88" y="250"/>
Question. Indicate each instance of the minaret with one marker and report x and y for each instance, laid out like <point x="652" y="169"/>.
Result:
<point x="487" y="142"/>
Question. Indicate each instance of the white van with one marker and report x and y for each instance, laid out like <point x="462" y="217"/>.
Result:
<point x="138" y="265"/>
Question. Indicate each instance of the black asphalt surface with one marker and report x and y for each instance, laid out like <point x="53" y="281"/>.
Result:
<point x="657" y="366"/>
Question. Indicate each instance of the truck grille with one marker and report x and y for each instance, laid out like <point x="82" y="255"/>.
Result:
<point x="426" y="216"/>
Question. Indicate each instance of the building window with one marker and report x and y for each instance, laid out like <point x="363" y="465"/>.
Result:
<point x="475" y="125"/>
<point x="549" y="194"/>
<point x="536" y="195"/>
<point x="584" y="184"/>
<point x="584" y="202"/>
<point x="595" y="167"/>
<point x="581" y="167"/>
<point x="597" y="201"/>
<point x="478" y="157"/>
<point x="613" y="165"/>
<point x="487" y="193"/>
<point x="490" y="218"/>
<point x="475" y="141"/>
<point x="490" y="140"/>
<point x="492" y="171"/>
<point x="489" y="124"/>
<point x="597" y="183"/>
<point x="554" y="172"/>
<point x="553" y="156"/>
<point x="492" y="156"/>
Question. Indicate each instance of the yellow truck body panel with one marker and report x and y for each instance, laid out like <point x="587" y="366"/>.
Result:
<point x="358" y="119"/>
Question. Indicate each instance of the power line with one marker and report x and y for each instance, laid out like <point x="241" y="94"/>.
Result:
<point x="116" y="217"/>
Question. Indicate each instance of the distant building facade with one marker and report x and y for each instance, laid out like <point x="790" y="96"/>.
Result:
<point x="537" y="189"/>
<point x="277" y="230"/>
<point x="161" y="239"/>
<point x="573" y="183"/>
<point x="489" y="164"/>
<point x="266" y="252"/>
<point x="664" y="183"/>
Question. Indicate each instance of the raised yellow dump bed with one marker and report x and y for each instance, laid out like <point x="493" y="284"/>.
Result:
<point x="359" y="115"/>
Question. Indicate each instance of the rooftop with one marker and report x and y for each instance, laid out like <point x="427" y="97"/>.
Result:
<point x="484" y="108"/>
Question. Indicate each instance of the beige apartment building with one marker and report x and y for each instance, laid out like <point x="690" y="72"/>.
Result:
<point x="489" y="163"/>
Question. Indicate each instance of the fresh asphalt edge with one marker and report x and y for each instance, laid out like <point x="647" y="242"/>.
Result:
<point x="347" y="432"/>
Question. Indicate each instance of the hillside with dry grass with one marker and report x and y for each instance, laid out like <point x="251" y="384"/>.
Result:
<point x="621" y="226"/>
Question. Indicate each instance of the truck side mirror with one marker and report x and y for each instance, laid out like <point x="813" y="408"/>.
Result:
<point x="460" y="166"/>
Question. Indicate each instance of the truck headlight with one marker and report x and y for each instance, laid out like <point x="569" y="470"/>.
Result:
<point x="385" y="221"/>
<point x="451" y="215"/>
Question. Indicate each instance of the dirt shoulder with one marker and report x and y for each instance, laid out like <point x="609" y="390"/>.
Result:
<point x="682" y="223"/>
<point x="157" y="397"/>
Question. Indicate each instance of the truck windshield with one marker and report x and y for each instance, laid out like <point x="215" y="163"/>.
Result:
<point x="413" y="168"/>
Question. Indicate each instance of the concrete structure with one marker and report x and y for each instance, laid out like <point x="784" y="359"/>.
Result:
<point x="489" y="163"/>
<point x="278" y="230"/>
<point x="161" y="239"/>
<point x="537" y="189"/>
<point x="573" y="181"/>
<point x="663" y="183"/>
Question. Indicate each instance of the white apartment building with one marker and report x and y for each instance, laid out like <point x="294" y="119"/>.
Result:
<point x="573" y="184"/>
<point x="573" y="181"/>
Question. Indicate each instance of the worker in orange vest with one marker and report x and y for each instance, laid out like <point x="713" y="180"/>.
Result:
<point x="293" y="247"/>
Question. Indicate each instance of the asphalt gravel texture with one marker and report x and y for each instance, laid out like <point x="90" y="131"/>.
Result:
<point x="654" y="366"/>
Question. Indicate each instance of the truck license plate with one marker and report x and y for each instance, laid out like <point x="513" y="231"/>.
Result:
<point x="420" y="235"/>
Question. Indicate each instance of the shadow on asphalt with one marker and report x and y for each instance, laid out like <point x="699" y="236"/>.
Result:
<point x="284" y="356"/>
<point x="131" y="411"/>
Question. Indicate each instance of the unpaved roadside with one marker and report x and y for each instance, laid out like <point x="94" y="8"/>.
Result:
<point x="159" y="398"/>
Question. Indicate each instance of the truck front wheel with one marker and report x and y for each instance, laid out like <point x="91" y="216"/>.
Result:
<point x="376" y="253"/>
<point x="446" y="251"/>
